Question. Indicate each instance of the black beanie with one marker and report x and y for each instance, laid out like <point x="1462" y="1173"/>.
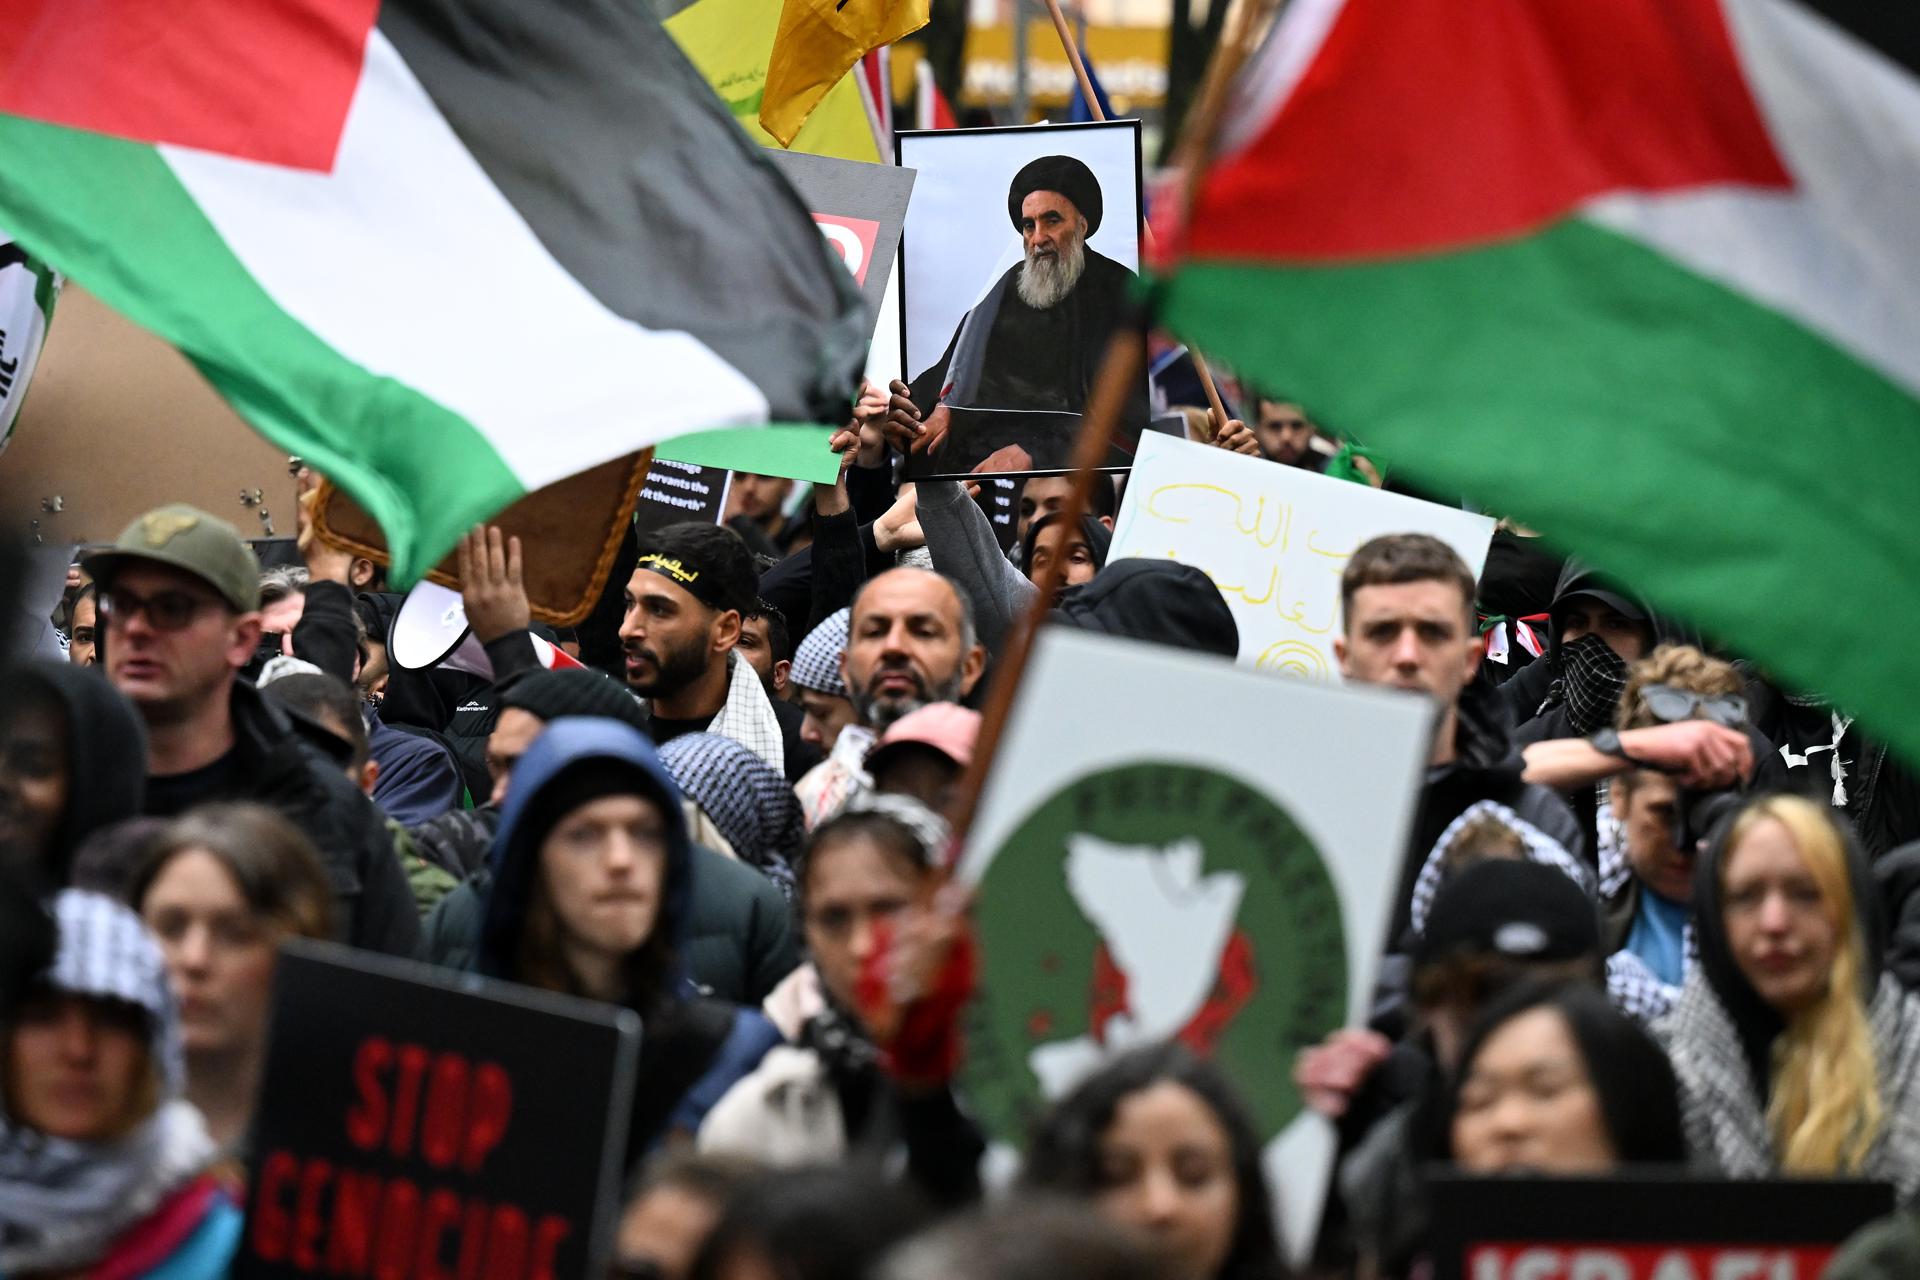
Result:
<point x="548" y="695"/>
<point x="579" y="783"/>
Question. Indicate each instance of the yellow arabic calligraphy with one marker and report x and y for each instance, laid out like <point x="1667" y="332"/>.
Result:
<point x="1279" y="534"/>
<point x="1282" y="519"/>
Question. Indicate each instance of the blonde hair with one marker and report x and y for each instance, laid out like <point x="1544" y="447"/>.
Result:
<point x="1680" y="666"/>
<point x="1825" y="1113"/>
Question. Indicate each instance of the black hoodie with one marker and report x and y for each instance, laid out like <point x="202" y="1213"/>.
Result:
<point x="1526" y="692"/>
<point x="106" y="755"/>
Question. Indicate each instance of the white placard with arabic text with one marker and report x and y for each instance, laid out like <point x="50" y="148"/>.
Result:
<point x="1274" y="539"/>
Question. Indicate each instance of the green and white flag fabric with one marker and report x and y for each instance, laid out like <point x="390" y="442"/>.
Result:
<point x="28" y="288"/>
<point x="450" y="251"/>
<point x="1643" y="273"/>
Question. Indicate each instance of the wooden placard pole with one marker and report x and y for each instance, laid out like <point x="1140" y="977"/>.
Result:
<point x="1079" y="64"/>
<point x="1120" y="374"/>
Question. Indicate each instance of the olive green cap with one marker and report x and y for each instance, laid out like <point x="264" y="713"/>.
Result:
<point x="188" y="539"/>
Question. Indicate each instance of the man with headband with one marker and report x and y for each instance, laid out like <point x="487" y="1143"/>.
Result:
<point x="692" y="587"/>
<point x="1035" y="341"/>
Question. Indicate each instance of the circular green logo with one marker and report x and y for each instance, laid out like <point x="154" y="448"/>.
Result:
<point x="1148" y="902"/>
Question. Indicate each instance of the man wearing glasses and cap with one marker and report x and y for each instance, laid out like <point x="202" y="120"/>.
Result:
<point x="179" y="609"/>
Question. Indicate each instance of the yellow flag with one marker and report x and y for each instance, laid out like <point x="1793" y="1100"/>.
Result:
<point x="818" y="43"/>
<point x="731" y="42"/>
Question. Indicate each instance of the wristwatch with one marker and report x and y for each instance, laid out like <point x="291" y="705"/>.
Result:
<point x="1607" y="743"/>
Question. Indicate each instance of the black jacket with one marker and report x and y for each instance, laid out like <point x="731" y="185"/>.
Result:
<point x="1486" y="766"/>
<point x="289" y="762"/>
<point x="1897" y="876"/>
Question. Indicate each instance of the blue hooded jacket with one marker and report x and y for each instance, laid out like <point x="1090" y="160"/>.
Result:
<point x="729" y="1040"/>
<point x="567" y="745"/>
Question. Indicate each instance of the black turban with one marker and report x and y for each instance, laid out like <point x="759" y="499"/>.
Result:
<point x="1064" y="174"/>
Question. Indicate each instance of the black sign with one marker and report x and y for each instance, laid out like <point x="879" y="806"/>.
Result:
<point x="999" y="497"/>
<point x="419" y="1123"/>
<point x="1644" y="1227"/>
<point x="677" y="491"/>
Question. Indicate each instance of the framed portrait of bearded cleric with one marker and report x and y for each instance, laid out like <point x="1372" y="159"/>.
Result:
<point x="1020" y="253"/>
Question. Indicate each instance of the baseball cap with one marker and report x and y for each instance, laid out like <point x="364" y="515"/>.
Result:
<point x="946" y="727"/>
<point x="188" y="539"/>
<point x="1504" y="907"/>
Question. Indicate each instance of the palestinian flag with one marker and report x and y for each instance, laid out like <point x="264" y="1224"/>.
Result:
<point x="450" y="251"/>
<point x="1643" y="273"/>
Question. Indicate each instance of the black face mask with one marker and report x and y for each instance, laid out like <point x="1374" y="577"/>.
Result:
<point x="1592" y="678"/>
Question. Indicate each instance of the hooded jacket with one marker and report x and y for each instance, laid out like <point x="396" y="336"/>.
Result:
<point x="1721" y="1037"/>
<point x="1159" y="601"/>
<point x="106" y="756"/>
<point x="1525" y="695"/>
<point x="692" y="1049"/>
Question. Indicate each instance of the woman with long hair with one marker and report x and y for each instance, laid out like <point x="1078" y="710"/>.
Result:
<point x="1553" y="1079"/>
<point x="221" y="887"/>
<point x="591" y="890"/>
<point x="1159" y="1141"/>
<point x="1795" y="1052"/>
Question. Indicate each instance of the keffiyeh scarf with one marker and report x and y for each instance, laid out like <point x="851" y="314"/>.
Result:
<point x="63" y="1204"/>
<point x="748" y="717"/>
<point x="1725" y="1117"/>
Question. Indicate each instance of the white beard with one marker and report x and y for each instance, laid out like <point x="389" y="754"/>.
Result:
<point x="1045" y="281"/>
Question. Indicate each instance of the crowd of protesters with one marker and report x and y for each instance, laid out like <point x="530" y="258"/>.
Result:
<point x="1655" y="909"/>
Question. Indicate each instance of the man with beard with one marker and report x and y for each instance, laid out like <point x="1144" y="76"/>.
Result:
<point x="1036" y="340"/>
<point x="691" y="588"/>
<point x="910" y="642"/>
<point x="1286" y="435"/>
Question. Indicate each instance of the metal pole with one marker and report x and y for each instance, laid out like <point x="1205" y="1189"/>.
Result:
<point x="1022" y="99"/>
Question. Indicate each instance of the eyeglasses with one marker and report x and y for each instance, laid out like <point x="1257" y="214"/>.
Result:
<point x="166" y="610"/>
<point x="1670" y="706"/>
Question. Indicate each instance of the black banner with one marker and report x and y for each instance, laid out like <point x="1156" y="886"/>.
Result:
<point x="424" y="1124"/>
<point x="677" y="491"/>
<point x="1642" y="1226"/>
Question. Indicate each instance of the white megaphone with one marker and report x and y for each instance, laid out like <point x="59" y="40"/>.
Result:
<point x="431" y="630"/>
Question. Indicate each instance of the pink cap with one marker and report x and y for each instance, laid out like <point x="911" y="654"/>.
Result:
<point x="947" y="727"/>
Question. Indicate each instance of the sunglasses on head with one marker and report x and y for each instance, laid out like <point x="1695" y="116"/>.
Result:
<point x="166" y="610"/>
<point x="1670" y="705"/>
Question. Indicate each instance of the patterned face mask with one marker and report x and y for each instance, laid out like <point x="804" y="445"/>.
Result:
<point x="1592" y="679"/>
